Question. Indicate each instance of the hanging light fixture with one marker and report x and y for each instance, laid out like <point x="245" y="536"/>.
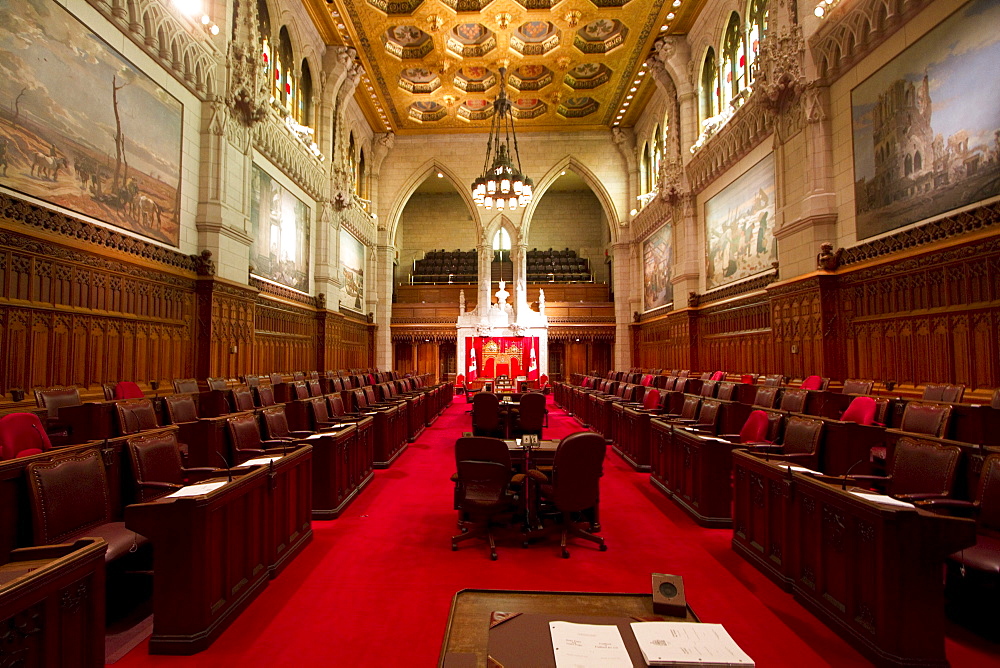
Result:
<point x="502" y="184"/>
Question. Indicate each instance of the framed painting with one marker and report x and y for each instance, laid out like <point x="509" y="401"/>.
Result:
<point x="926" y="125"/>
<point x="352" y="266"/>
<point x="657" y="262"/>
<point x="112" y="153"/>
<point x="739" y="227"/>
<point x="280" y="228"/>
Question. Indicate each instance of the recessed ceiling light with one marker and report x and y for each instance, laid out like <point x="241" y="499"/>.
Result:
<point x="628" y="97"/>
<point x="625" y="105"/>
<point x="632" y="89"/>
<point x="440" y="175"/>
<point x="677" y="3"/>
<point x="670" y="16"/>
<point x="662" y="28"/>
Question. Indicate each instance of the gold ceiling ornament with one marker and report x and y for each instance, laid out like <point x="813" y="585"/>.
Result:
<point x="563" y="63"/>
<point x="572" y="18"/>
<point x="502" y="183"/>
<point x="434" y="22"/>
<point x="503" y="20"/>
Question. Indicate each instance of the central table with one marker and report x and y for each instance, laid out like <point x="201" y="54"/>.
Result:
<point x="467" y="633"/>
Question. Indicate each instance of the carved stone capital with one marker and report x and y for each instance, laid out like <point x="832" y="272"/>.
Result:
<point x="780" y="71"/>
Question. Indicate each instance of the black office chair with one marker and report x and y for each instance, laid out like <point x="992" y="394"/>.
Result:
<point x="485" y="495"/>
<point x="531" y="414"/>
<point x="483" y="449"/>
<point x="575" y="485"/>
<point x="487" y="418"/>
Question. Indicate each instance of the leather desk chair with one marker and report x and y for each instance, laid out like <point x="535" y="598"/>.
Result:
<point x="793" y="400"/>
<point x="709" y="388"/>
<point x="759" y="428"/>
<point x="487" y="418"/>
<point x="482" y="449"/>
<point x="314" y="388"/>
<point x="244" y="433"/>
<point x="856" y="386"/>
<point x="726" y="391"/>
<point x="773" y="380"/>
<point x="251" y="381"/>
<point x="181" y="408"/>
<point x="264" y="395"/>
<point x="767" y="396"/>
<point x="157" y="467"/>
<point x="52" y="399"/>
<point x="135" y="415"/>
<point x="275" y="378"/>
<point x="973" y="574"/>
<point x="22" y="435"/>
<point x="921" y="418"/>
<point x="298" y="375"/>
<point x="185" y="386"/>
<point x="918" y="470"/>
<point x="219" y="384"/>
<point x="276" y="425"/>
<point x="799" y="444"/>
<point x="242" y="399"/>
<point x="69" y="500"/>
<point x="949" y="394"/>
<point x="689" y="410"/>
<point x="574" y="485"/>
<point x="708" y="417"/>
<point x="531" y="414"/>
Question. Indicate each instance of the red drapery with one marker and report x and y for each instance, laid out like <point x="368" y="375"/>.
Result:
<point x="513" y="356"/>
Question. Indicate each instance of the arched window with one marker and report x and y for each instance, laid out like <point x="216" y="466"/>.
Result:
<point x="908" y="165"/>
<point x="303" y="108"/>
<point x="362" y="180"/>
<point x="918" y="162"/>
<point x="756" y="27"/>
<point x="657" y="154"/>
<point x="644" y="177"/>
<point x="284" y="79"/>
<point x="501" y="240"/>
<point x="352" y="163"/>
<point x="733" y="62"/>
<point x="709" y="86"/>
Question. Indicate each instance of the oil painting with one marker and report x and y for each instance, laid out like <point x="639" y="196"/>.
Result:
<point x="280" y="222"/>
<point x="352" y="264"/>
<point x="657" y="261"/>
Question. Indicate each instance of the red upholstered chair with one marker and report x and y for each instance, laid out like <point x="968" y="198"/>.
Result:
<point x="126" y="389"/>
<point x="575" y="483"/>
<point x="21" y="435"/>
<point x="460" y="383"/>
<point x="543" y="383"/>
<point x="755" y="430"/>
<point x="157" y="467"/>
<point x="748" y="378"/>
<point x="855" y="386"/>
<point x="718" y="375"/>
<point x="814" y="383"/>
<point x="861" y="410"/>
<point x="70" y="499"/>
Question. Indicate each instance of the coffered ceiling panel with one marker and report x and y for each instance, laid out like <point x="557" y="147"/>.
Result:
<point x="433" y="65"/>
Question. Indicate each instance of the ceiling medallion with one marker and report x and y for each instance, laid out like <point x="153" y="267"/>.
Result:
<point x="502" y="182"/>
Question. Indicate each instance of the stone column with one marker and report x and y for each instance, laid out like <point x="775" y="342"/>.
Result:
<point x="519" y="256"/>
<point x="623" y="259"/>
<point x="484" y="253"/>
<point x="385" y="256"/>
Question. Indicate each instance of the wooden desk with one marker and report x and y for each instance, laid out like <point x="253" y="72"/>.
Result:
<point x="214" y="553"/>
<point x="872" y="572"/>
<point x="694" y="471"/>
<point x="52" y="598"/>
<point x="467" y="633"/>
<point x="342" y="466"/>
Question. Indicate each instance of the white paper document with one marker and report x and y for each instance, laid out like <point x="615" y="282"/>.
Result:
<point x="260" y="461"/>
<point x="685" y="644"/>
<point x="196" y="490"/>
<point x="883" y="499"/>
<point x="803" y="469"/>
<point x="588" y="646"/>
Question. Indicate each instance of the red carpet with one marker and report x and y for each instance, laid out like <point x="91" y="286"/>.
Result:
<point x="374" y="587"/>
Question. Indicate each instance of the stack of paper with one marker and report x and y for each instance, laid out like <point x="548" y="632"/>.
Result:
<point x="260" y="461"/>
<point x="196" y="490"/>
<point x="685" y="644"/>
<point x="588" y="646"/>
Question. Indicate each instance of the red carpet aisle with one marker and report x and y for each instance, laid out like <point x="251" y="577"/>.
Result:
<point x="375" y="586"/>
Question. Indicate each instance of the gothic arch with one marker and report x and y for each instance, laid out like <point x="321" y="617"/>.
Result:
<point x="409" y="186"/>
<point x="595" y="185"/>
<point x="493" y="226"/>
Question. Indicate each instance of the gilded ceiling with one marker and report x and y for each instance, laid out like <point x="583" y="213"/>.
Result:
<point x="434" y="64"/>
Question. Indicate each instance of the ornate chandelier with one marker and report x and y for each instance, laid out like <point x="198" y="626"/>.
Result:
<point x="502" y="184"/>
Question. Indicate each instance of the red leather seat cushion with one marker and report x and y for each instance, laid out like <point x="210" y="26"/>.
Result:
<point x="118" y="538"/>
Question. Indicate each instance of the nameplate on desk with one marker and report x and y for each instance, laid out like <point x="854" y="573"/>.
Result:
<point x="197" y="490"/>
<point x="260" y="461"/>
<point x="883" y="500"/>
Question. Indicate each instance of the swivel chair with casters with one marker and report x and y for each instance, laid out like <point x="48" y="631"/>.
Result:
<point x="484" y="496"/>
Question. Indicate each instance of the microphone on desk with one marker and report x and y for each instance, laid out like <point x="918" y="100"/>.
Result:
<point x="226" y="462"/>
<point x="843" y="484"/>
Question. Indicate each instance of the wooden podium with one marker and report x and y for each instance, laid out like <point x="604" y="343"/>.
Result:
<point x="214" y="552"/>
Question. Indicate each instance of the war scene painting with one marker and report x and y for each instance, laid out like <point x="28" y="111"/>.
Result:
<point x="927" y="125"/>
<point x="739" y="226"/>
<point x="82" y="128"/>
<point x="280" y="227"/>
<point x="657" y="261"/>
